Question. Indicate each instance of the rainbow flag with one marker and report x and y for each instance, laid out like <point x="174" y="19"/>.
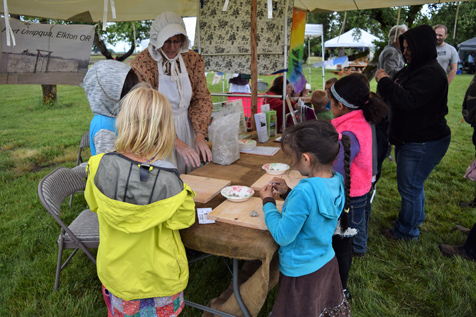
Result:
<point x="295" y="73"/>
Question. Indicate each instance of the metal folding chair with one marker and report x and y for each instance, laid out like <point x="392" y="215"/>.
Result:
<point x="80" y="168"/>
<point x="83" y="232"/>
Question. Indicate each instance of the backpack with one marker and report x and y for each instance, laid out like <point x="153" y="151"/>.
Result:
<point x="469" y="103"/>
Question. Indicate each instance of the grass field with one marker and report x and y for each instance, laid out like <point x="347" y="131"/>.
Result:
<point x="393" y="279"/>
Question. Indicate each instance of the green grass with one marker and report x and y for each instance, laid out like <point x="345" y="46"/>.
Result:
<point x="393" y="279"/>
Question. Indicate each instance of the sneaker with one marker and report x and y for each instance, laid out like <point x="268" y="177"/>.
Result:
<point x="471" y="204"/>
<point x="454" y="250"/>
<point x="388" y="233"/>
<point x="358" y="254"/>
<point x="347" y="294"/>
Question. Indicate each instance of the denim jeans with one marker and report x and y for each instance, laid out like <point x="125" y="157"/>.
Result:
<point x="415" y="161"/>
<point x="359" y="214"/>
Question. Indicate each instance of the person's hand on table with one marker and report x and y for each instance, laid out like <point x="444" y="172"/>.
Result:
<point x="380" y="74"/>
<point x="279" y="185"/>
<point x="189" y="155"/>
<point x="202" y="147"/>
<point x="266" y="191"/>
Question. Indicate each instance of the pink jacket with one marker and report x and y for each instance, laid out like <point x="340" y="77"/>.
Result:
<point x="361" y="167"/>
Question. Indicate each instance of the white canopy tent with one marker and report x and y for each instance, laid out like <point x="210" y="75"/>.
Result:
<point x="352" y="39"/>
<point x="313" y="31"/>
<point x="136" y="10"/>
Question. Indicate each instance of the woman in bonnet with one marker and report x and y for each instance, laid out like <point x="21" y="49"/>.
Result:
<point x="179" y="74"/>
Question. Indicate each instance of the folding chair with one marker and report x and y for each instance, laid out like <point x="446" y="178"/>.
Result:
<point x="84" y="143"/>
<point x="80" y="168"/>
<point x="83" y="232"/>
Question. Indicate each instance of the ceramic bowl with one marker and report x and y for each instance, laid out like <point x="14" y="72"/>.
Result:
<point x="246" y="145"/>
<point x="237" y="193"/>
<point x="275" y="168"/>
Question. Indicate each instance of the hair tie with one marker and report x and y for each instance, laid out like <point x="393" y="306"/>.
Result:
<point x="367" y="102"/>
<point x="342" y="100"/>
<point x="340" y="136"/>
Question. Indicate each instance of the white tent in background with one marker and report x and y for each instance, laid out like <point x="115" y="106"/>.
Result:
<point x="352" y="39"/>
<point x="313" y="31"/>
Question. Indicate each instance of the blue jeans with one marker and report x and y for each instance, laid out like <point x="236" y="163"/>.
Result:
<point x="415" y="161"/>
<point x="359" y="214"/>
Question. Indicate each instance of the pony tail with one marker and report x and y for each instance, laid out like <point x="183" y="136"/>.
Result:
<point x="347" y="181"/>
<point x="374" y="110"/>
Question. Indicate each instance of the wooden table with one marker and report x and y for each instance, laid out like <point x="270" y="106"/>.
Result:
<point x="357" y="67"/>
<point x="227" y="240"/>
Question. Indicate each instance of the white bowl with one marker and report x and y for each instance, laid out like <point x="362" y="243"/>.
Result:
<point x="246" y="145"/>
<point x="237" y="193"/>
<point x="275" y="168"/>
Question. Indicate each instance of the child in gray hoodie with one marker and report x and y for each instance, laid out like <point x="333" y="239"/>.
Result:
<point x="105" y="83"/>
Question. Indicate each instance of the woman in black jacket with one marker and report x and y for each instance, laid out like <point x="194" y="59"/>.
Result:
<point x="418" y="105"/>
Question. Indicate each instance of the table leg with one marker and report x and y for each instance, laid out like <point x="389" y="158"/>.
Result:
<point x="236" y="289"/>
<point x="207" y="309"/>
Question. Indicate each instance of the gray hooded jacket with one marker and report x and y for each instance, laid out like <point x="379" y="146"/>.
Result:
<point x="103" y="86"/>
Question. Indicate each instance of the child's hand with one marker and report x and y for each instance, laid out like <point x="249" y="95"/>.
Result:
<point x="266" y="191"/>
<point x="279" y="185"/>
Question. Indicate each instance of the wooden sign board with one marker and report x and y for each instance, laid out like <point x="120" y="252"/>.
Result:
<point x="239" y="213"/>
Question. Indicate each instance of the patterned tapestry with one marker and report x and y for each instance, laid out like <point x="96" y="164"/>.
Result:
<point x="229" y="32"/>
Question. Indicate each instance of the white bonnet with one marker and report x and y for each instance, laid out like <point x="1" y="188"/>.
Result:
<point x="165" y="26"/>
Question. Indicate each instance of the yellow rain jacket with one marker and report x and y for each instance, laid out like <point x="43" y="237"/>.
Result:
<point x="141" y="254"/>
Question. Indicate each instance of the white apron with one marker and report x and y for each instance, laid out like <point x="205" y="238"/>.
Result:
<point x="183" y="125"/>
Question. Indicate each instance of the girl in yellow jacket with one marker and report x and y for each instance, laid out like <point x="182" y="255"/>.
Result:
<point x="141" y="204"/>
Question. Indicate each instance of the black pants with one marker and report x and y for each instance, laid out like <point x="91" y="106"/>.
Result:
<point x="343" y="249"/>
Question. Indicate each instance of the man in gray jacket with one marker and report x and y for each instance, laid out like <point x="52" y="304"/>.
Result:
<point x="391" y="58"/>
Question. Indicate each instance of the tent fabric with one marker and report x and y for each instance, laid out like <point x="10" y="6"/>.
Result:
<point x="127" y="10"/>
<point x="468" y="45"/>
<point x="313" y="30"/>
<point x="348" y="39"/>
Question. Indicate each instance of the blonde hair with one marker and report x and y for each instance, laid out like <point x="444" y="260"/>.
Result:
<point x="145" y="125"/>
<point x="319" y="98"/>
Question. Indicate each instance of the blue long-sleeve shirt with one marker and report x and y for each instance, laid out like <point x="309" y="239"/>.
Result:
<point x="304" y="228"/>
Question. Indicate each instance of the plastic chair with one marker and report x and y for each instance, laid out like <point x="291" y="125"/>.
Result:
<point x="83" y="232"/>
<point x="80" y="169"/>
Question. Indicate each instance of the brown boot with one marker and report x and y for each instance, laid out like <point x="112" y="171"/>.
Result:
<point x="454" y="250"/>
<point x="462" y="229"/>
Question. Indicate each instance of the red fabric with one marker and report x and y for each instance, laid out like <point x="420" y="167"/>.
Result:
<point x="277" y="105"/>
<point x="361" y="167"/>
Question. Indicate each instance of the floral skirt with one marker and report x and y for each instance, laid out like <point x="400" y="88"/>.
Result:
<point x="169" y="306"/>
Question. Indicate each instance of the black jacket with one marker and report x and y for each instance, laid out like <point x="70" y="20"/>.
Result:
<point x="418" y="95"/>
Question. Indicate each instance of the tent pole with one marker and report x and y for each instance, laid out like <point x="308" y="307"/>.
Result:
<point x="309" y="59"/>
<point x="254" y="64"/>
<point x="197" y="27"/>
<point x="323" y="60"/>
<point x="285" y="62"/>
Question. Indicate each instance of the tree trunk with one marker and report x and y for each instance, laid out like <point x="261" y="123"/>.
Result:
<point x="49" y="91"/>
<point x="49" y="94"/>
